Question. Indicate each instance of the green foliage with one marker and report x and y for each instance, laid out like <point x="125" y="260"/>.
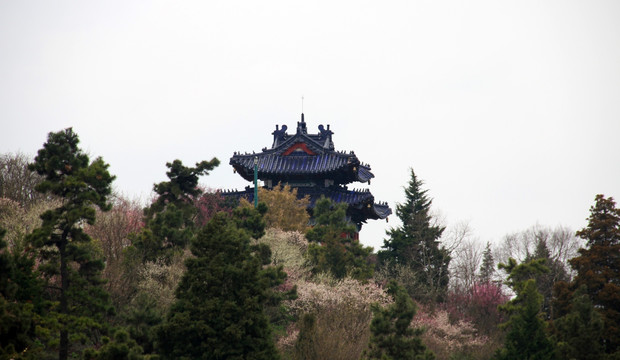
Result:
<point x="64" y="249"/>
<point x="416" y="244"/>
<point x="20" y="305"/>
<point x="598" y="269"/>
<point x="545" y="281"/>
<point x="333" y="243"/>
<point x="518" y="274"/>
<point x="142" y="317"/>
<point x="219" y="309"/>
<point x="526" y="337"/>
<point x="170" y="220"/>
<point x="579" y="333"/>
<point x="487" y="269"/>
<point x="305" y="347"/>
<point x="120" y="347"/>
<point x="250" y="219"/>
<point x="392" y="335"/>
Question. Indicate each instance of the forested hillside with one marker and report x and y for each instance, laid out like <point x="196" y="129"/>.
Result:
<point x="86" y="273"/>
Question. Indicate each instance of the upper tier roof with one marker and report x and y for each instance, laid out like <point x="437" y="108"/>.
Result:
<point x="302" y="157"/>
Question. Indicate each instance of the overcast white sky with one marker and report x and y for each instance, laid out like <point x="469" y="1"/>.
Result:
<point x="509" y="111"/>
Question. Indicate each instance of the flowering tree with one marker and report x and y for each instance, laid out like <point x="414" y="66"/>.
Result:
<point x="477" y="305"/>
<point x="112" y="231"/>
<point x="449" y="338"/>
<point x="334" y="317"/>
<point x="285" y="210"/>
<point x="209" y="203"/>
<point x="17" y="182"/>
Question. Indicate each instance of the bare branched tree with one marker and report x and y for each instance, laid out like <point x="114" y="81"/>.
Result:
<point x="17" y="182"/>
<point x="466" y="252"/>
<point x="560" y="241"/>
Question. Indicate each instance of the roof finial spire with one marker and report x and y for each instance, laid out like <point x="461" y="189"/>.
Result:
<point x="302" y="109"/>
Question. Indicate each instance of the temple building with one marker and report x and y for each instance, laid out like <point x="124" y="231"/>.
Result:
<point x="310" y="163"/>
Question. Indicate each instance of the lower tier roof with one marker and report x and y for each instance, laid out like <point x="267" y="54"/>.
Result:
<point x="361" y="203"/>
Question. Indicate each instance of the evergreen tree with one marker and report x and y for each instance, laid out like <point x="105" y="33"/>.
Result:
<point x="120" y="347"/>
<point x="526" y="337"/>
<point x="487" y="269"/>
<point x="305" y="347"/>
<point x="65" y="251"/>
<point x="545" y="281"/>
<point x="579" y="333"/>
<point x="250" y="219"/>
<point x="334" y="246"/>
<point x="392" y="336"/>
<point x="170" y="220"/>
<point x="219" y="309"/>
<point x="416" y="243"/>
<point x="598" y="268"/>
<point x="21" y="305"/>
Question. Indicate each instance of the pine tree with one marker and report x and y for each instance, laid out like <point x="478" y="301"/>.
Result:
<point x="65" y="251"/>
<point x="526" y="337"/>
<point x="120" y="347"/>
<point x="392" y="335"/>
<point x="545" y="281"/>
<point x="170" y="220"/>
<point x="579" y="333"/>
<point x="21" y="305"/>
<point x="219" y="309"/>
<point x="416" y="243"/>
<point x="487" y="269"/>
<point x="334" y="246"/>
<point x="598" y="268"/>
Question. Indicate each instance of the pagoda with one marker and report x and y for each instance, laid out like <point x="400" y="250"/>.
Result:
<point x="311" y="164"/>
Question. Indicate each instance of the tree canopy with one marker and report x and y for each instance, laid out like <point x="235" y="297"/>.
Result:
<point x="393" y="337"/>
<point x="334" y="246"/>
<point x="170" y="219"/>
<point x="219" y="309"/>
<point x="526" y="336"/>
<point x="65" y="251"/>
<point x="598" y="269"/>
<point x="415" y="243"/>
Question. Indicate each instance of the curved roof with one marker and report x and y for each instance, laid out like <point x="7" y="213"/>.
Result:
<point x="302" y="156"/>
<point x="340" y="167"/>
